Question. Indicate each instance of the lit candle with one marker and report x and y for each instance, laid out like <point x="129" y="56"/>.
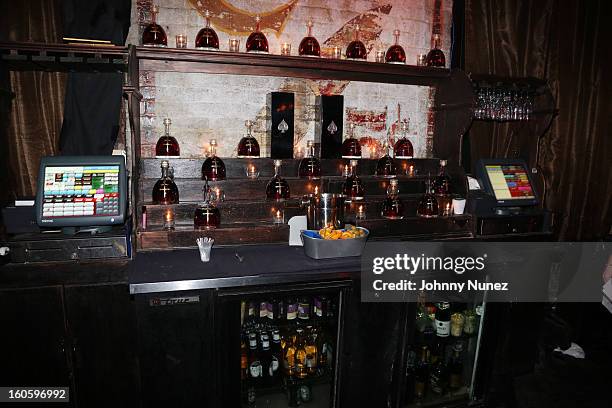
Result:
<point x="181" y="41"/>
<point x="447" y="209"/>
<point x="336" y="52"/>
<point x="316" y="190"/>
<point x="380" y="56"/>
<point x="219" y="196"/>
<point x="279" y="216"/>
<point x="421" y="60"/>
<point x="360" y="212"/>
<point x="411" y="170"/>
<point x="234" y="45"/>
<point x="252" y="172"/>
<point x="285" y="49"/>
<point x="169" y="219"/>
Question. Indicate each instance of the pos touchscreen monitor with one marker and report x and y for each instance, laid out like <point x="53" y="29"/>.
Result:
<point x="508" y="181"/>
<point x="81" y="191"/>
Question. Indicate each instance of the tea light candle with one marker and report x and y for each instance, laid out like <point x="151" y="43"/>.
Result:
<point x="380" y="56"/>
<point x="316" y="190"/>
<point x="169" y="219"/>
<point x="421" y="60"/>
<point x="251" y="172"/>
<point x="278" y="217"/>
<point x="360" y="212"/>
<point x="285" y="49"/>
<point x="411" y="170"/>
<point x="234" y="45"/>
<point x="181" y="41"/>
<point x="447" y="209"/>
<point x="218" y="194"/>
<point x="336" y="53"/>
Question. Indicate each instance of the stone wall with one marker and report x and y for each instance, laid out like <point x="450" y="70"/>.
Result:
<point x="205" y="106"/>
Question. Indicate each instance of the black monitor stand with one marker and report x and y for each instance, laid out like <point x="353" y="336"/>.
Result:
<point x="82" y="230"/>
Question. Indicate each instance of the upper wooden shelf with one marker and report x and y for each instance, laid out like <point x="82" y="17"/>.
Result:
<point x="27" y="56"/>
<point x="222" y="62"/>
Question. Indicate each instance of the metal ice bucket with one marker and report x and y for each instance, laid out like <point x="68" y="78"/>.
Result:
<point x="323" y="210"/>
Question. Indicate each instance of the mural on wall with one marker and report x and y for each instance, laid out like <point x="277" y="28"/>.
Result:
<point x="205" y="106"/>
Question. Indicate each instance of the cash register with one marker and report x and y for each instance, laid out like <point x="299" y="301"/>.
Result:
<point x="507" y="201"/>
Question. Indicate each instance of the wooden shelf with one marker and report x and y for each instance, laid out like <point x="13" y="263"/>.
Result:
<point x="221" y="62"/>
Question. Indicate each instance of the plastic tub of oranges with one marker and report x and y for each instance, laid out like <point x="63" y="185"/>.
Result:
<point x="334" y="243"/>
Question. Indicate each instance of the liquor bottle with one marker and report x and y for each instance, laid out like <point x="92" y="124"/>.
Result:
<point x="250" y="320"/>
<point x="352" y="188"/>
<point x="356" y="50"/>
<point x="456" y="367"/>
<point x="165" y="191"/>
<point x="248" y="146"/>
<point x="310" y="166"/>
<point x="276" y="356"/>
<point x="207" y="38"/>
<point x="421" y="374"/>
<point x="403" y="148"/>
<point x="304" y="307"/>
<point x="439" y="377"/>
<point x="441" y="183"/>
<point x="351" y="148"/>
<point x="213" y="168"/>
<point x="385" y="166"/>
<point x="395" y="54"/>
<point x="275" y="310"/>
<point x="255" y="367"/>
<point x="300" y="355"/>
<point x="206" y="216"/>
<point x="435" y="57"/>
<point x="292" y="308"/>
<point x="392" y="207"/>
<point x="153" y="34"/>
<point x="277" y="188"/>
<point x="443" y="319"/>
<point x="289" y="356"/>
<point x="263" y="312"/>
<point x="311" y="351"/>
<point x="257" y="41"/>
<point x="309" y="46"/>
<point x="428" y="205"/>
<point x="167" y="146"/>
<point x="266" y="360"/>
<point x="326" y="352"/>
<point x="244" y="360"/>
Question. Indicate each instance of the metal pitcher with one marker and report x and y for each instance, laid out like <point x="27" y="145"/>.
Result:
<point x="323" y="210"/>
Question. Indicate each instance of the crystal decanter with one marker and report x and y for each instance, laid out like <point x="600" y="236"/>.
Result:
<point x="352" y="188"/>
<point x="385" y="167"/>
<point x="403" y="148"/>
<point x="167" y="146"/>
<point x="153" y="34"/>
<point x="428" y="204"/>
<point x="351" y="148"/>
<point x="310" y="166"/>
<point x="277" y="188"/>
<point x="213" y="168"/>
<point x="395" y="54"/>
<point x="257" y="41"/>
<point x="435" y="57"/>
<point x="207" y="38"/>
<point x="441" y="183"/>
<point x="356" y="50"/>
<point x="392" y="207"/>
<point x="309" y="46"/>
<point x="165" y="191"/>
<point x="248" y="146"/>
<point x="206" y="215"/>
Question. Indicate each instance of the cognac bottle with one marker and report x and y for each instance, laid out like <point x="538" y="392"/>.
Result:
<point x="356" y="50"/>
<point x="310" y="166"/>
<point x="248" y="146"/>
<point x="392" y="207"/>
<point x="277" y="188"/>
<point x="395" y="54"/>
<point x="385" y="167"/>
<point x="213" y="168"/>
<point x="403" y="148"/>
<point x="351" y="149"/>
<point x="167" y="146"/>
<point x="441" y="184"/>
<point x="165" y="191"/>
<point x="309" y="46"/>
<point x="353" y="188"/>
<point x="206" y="215"/>
<point x="257" y="41"/>
<point x="435" y="57"/>
<point x="428" y="204"/>
<point x="207" y="37"/>
<point x="153" y="34"/>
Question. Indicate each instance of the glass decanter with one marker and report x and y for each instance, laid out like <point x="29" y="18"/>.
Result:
<point x="213" y="168"/>
<point x="395" y="54"/>
<point x="352" y="188"/>
<point x="167" y="146"/>
<point x="153" y="34"/>
<point x="277" y="188"/>
<point x="351" y="148"/>
<point x="392" y="207"/>
<point x="165" y="191"/>
<point x="403" y="148"/>
<point x="435" y="57"/>
<point x="257" y="41"/>
<point x="309" y="46"/>
<point x="441" y="183"/>
<point x="428" y="204"/>
<point x="310" y="166"/>
<point x="385" y="167"/>
<point x="207" y="37"/>
<point x="206" y="215"/>
<point x="248" y="146"/>
<point x="356" y="50"/>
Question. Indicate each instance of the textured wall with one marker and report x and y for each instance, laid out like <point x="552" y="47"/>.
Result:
<point x="204" y="106"/>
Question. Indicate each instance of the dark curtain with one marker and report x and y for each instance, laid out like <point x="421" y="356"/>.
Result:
<point x="567" y="43"/>
<point x="32" y="123"/>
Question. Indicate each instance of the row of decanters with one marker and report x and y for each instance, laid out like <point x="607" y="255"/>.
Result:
<point x="207" y="39"/>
